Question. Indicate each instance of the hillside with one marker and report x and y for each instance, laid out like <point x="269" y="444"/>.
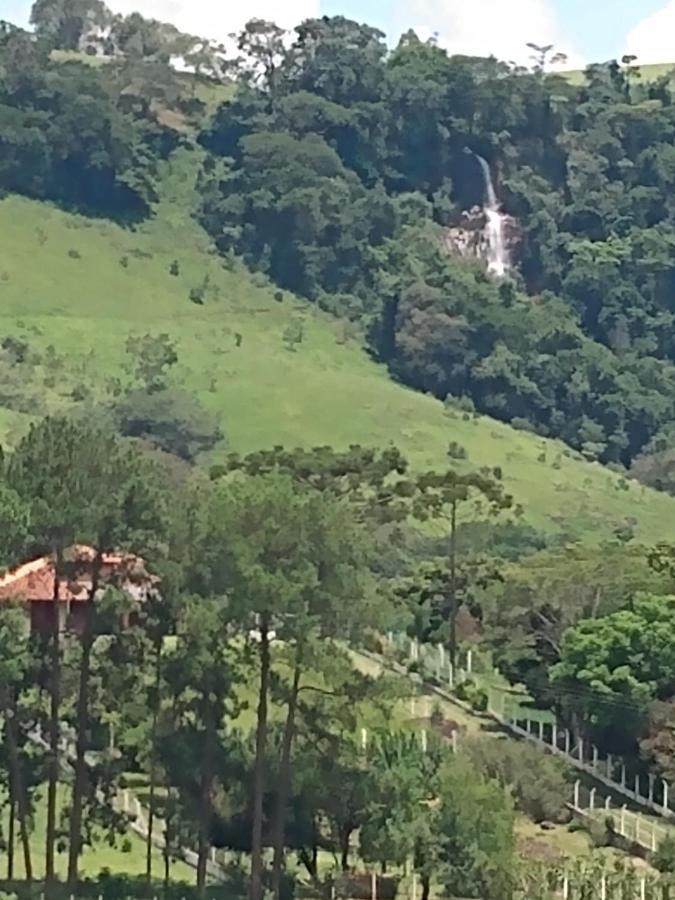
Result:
<point x="82" y="286"/>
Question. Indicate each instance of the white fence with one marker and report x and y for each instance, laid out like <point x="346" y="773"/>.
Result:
<point x="647" y="790"/>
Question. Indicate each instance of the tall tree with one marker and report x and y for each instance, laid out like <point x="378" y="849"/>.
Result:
<point x="82" y="486"/>
<point x="271" y="546"/>
<point x="446" y="495"/>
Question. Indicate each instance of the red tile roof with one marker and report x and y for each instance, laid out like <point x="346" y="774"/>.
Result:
<point x="34" y="580"/>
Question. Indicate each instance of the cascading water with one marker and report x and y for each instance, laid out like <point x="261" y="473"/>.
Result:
<point x="497" y="251"/>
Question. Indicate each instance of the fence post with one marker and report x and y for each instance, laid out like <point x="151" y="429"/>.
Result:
<point x="591" y="800"/>
<point x="451" y="676"/>
<point x="610" y="766"/>
<point x="651" y="787"/>
<point x="541" y="730"/>
<point x="364" y="738"/>
<point x="623" y="775"/>
<point x="469" y="662"/>
<point x="595" y="757"/>
<point x="423" y="740"/>
<point x="622" y="821"/>
<point x="637" y="828"/>
<point x="637" y="787"/>
<point x="576" y="794"/>
<point x="567" y="741"/>
<point x="373" y="886"/>
<point x="454" y="741"/>
<point x="608" y="802"/>
<point x="581" y="750"/>
<point x="603" y="887"/>
<point x="414" y="886"/>
<point x="554" y="735"/>
<point x="643" y="888"/>
<point x="566" y="887"/>
<point x="665" y="796"/>
<point x="653" y="838"/>
<point x="412" y="707"/>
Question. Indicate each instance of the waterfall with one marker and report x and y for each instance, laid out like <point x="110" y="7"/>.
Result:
<point x="498" y="255"/>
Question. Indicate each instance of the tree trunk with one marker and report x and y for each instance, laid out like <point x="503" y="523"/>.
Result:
<point x="426" y="887"/>
<point x="453" y="584"/>
<point x="82" y="726"/>
<point x="18" y="799"/>
<point x="153" y="761"/>
<point x="345" y="835"/>
<point x="10" y="833"/>
<point x="284" y="781"/>
<point x="54" y="722"/>
<point x="255" y="889"/>
<point x="205" y="804"/>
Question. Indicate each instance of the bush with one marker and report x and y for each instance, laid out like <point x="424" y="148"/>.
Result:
<point x="172" y="420"/>
<point x="664" y="858"/>
<point x="472" y="694"/>
<point x="456" y="451"/>
<point x="74" y="254"/>
<point x="539" y="782"/>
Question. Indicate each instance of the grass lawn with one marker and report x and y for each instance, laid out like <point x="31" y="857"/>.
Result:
<point x="126" y="858"/>
<point x="82" y="286"/>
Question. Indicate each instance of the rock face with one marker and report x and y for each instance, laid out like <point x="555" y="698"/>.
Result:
<point x="470" y="237"/>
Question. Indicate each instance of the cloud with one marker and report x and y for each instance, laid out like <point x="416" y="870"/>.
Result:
<point x="218" y="18"/>
<point x="652" y="39"/>
<point x="488" y="27"/>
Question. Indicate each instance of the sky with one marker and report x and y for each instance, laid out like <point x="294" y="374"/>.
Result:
<point x="587" y="30"/>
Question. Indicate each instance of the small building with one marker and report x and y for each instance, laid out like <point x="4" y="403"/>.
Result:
<point x="32" y="584"/>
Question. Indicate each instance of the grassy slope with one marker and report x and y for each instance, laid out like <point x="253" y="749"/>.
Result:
<point x="328" y="391"/>
<point x="647" y="73"/>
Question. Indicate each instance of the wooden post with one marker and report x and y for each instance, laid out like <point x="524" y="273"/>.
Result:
<point x="643" y="888"/>
<point x="622" y="822"/>
<point x="603" y="887"/>
<point x="591" y="799"/>
<point x="576" y="794"/>
<point x="595" y="757"/>
<point x="581" y="749"/>
<point x="608" y="802"/>
<point x="454" y="741"/>
<point x="469" y="661"/>
<point x="541" y="730"/>
<point x="414" y="886"/>
<point x="651" y="787"/>
<point x="637" y="828"/>
<point x="364" y="738"/>
<point x="567" y="741"/>
<point x="653" y="838"/>
<point x="610" y="766"/>
<point x="623" y="775"/>
<point x="566" y="887"/>
<point x="665" y="796"/>
<point x="373" y="886"/>
<point x="554" y="736"/>
<point x="451" y="676"/>
<point x="637" y="787"/>
<point x="423" y="740"/>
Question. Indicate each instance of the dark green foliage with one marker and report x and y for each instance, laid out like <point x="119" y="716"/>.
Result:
<point x="539" y="783"/>
<point x="172" y="420"/>
<point x="343" y="160"/>
<point x="67" y="136"/>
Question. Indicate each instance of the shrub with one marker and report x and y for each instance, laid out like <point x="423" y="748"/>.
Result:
<point x="124" y="262"/>
<point x="74" y="254"/>
<point x="174" y="269"/>
<point x="456" y="451"/>
<point x="279" y="296"/>
<point x="539" y="782"/>
<point x="172" y="420"/>
<point x="664" y="858"/>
